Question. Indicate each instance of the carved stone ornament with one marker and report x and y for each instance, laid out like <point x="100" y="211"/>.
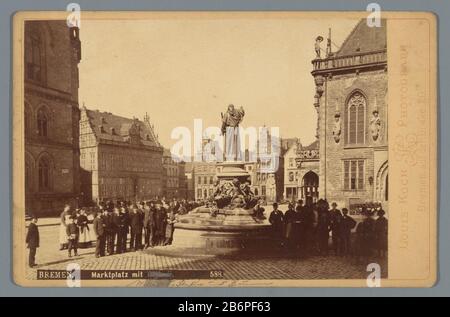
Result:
<point x="337" y="128"/>
<point x="375" y="126"/>
<point x="308" y="154"/>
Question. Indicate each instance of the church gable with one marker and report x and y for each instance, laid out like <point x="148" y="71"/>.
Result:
<point x="364" y="39"/>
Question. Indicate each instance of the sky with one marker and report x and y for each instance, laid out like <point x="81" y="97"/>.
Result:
<point x="183" y="68"/>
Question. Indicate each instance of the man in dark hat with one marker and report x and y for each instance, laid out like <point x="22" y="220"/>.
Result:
<point x="149" y="224"/>
<point x="276" y="220"/>
<point x="122" y="231"/>
<point x="114" y="229"/>
<point x="160" y="223"/>
<point x="73" y="233"/>
<point x="381" y="233"/>
<point x="99" y="230"/>
<point x="109" y="229"/>
<point x="323" y="227"/>
<point x="32" y="241"/>
<point x="302" y="222"/>
<point x="348" y="223"/>
<point x="335" y="225"/>
<point x="365" y="234"/>
<point x="289" y="224"/>
<point x="136" y="224"/>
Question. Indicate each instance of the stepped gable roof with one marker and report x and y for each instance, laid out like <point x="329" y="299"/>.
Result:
<point x="110" y="127"/>
<point x="364" y="39"/>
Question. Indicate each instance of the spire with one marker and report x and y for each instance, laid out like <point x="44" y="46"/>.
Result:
<point x="146" y="118"/>
<point x="151" y="128"/>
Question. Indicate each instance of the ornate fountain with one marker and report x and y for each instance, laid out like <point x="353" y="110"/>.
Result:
<point x="228" y="223"/>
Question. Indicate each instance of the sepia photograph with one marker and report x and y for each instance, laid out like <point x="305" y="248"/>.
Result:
<point x="170" y="150"/>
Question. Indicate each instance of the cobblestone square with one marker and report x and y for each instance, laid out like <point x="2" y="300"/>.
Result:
<point x="276" y="266"/>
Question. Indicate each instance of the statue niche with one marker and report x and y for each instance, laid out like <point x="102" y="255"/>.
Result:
<point x="337" y="127"/>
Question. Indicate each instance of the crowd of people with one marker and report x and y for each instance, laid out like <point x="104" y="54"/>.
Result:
<point x="303" y="230"/>
<point x="143" y="224"/>
<point x="306" y="230"/>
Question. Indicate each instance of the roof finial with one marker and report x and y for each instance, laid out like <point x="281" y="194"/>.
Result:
<point x="329" y="43"/>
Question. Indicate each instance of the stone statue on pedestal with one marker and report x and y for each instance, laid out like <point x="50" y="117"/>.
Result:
<point x="230" y="129"/>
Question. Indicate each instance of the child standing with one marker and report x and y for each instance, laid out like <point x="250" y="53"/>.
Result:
<point x="73" y="233"/>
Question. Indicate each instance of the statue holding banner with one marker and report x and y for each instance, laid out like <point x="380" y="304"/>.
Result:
<point x="230" y="129"/>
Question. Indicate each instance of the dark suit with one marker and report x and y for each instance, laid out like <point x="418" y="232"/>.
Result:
<point x="381" y="235"/>
<point x="276" y="219"/>
<point x="290" y="225"/>
<point x="149" y="225"/>
<point x="99" y="229"/>
<point x="109" y="232"/>
<point x="160" y="225"/>
<point x="122" y="232"/>
<point x="336" y="226"/>
<point x="32" y="240"/>
<point x="323" y="231"/>
<point x="348" y="223"/>
<point x="136" y="224"/>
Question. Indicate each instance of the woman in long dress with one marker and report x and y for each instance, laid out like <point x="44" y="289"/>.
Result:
<point x="65" y="216"/>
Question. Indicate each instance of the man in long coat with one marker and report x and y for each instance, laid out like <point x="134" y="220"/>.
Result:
<point x="149" y="224"/>
<point x="276" y="219"/>
<point x="136" y="225"/>
<point x="99" y="230"/>
<point x="290" y="218"/>
<point x="32" y="241"/>
<point x="348" y="223"/>
<point x="123" y="223"/>
<point x="336" y="226"/>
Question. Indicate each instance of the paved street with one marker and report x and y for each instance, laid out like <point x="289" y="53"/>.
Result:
<point x="277" y="266"/>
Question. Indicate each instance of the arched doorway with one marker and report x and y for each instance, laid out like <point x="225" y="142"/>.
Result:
<point x="310" y="187"/>
<point x="382" y="185"/>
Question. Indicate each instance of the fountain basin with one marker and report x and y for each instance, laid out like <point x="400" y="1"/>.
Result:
<point x="229" y="231"/>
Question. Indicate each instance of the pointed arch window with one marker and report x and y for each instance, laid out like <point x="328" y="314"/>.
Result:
<point x="44" y="174"/>
<point x="33" y="54"/>
<point x="356" y="119"/>
<point x="42" y="123"/>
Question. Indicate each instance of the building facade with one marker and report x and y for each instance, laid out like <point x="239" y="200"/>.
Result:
<point x="204" y="175"/>
<point x="308" y="162"/>
<point x="351" y="101"/>
<point x="121" y="158"/>
<point x="174" y="178"/>
<point x="51" y="116"/>
<point x="291" y="173"/>
<point x="190" y="180"/>
<point x="301" y="173"/>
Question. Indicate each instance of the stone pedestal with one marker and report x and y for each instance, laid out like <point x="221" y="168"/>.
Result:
<point x="232" y="170"/>
<point x="205" y="231"/>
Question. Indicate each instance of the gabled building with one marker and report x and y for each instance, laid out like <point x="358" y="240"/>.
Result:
<point x="174" y="178"/>
<point x="352" y="105"/>
<point x="121" y="158"/>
